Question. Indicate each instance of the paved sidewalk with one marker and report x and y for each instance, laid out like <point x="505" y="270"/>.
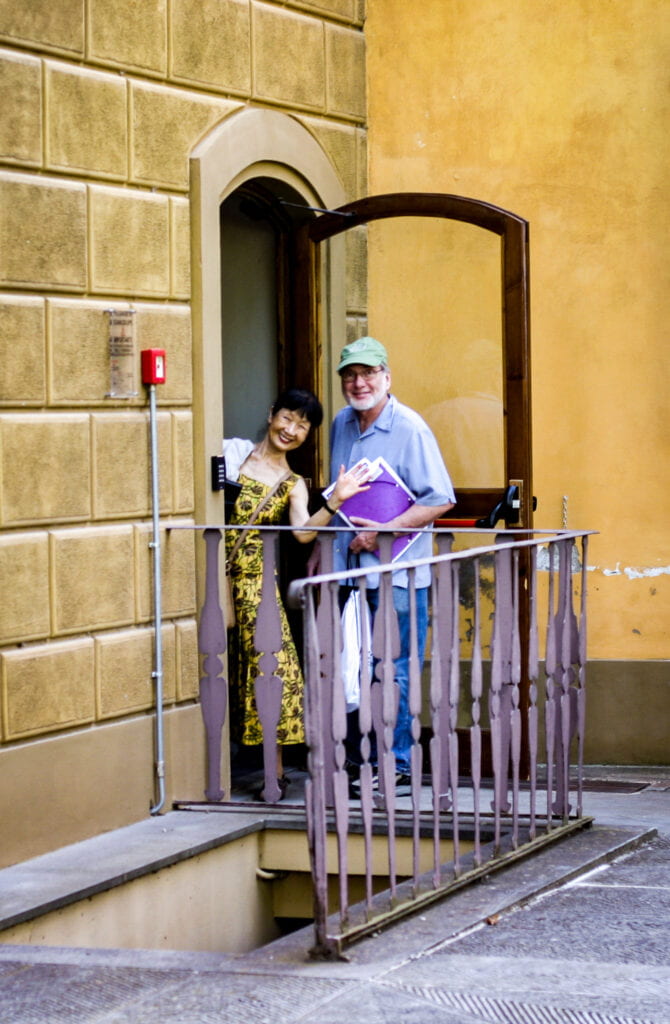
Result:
<point x="540" y="941"/>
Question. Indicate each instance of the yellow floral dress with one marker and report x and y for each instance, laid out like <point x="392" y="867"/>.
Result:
<point x="247" y="579"/>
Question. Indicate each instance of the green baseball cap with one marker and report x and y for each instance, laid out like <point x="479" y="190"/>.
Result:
<point x="366" y="351"/>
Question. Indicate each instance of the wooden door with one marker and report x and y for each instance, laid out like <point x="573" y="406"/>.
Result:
<point x="473" y="502"/>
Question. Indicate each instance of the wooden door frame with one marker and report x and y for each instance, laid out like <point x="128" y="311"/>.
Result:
<point x="514" y="234"/>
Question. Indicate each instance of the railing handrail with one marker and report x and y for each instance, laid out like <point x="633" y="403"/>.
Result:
<point x="296" y="587"/>
<point x="287" y="528"/>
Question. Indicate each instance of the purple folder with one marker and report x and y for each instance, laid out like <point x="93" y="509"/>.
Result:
<point x="387" y="497"/>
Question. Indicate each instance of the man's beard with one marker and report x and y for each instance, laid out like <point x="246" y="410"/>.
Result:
<point x="363" y="404"/>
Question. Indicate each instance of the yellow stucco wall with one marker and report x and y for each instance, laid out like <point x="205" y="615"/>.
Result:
<point x="559" y="113"/>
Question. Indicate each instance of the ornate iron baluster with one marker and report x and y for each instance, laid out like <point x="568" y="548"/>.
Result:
<point x="386" y="641"/>
<point x="365" y="725"/>
<point x="550" y="669"/>
<point x="338" y="732"/>
<point x="212" y="648"/>
<point x="476" y="691"/>
<point x="268" y="687"/>
<point x="444" y="612"/>
<point x="581" y="691"/>
<point x="315" y="791"/>
<point x="414" y="699"/>
<point x="569" y="647"/>
<point x="324" y="617"/>
<point x="515" y="713"/>
<point x="441" y="604"/>
<point x="501" y="698"/>
<point x="533" y="672"/>
<point x="494" y="702"/>
<point x="453" y="698"/>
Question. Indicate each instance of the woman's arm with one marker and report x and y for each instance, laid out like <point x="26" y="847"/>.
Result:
<point x="346" y="486"/>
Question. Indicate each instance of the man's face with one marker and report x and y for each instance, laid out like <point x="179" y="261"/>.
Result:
<point x="364" y="387"/>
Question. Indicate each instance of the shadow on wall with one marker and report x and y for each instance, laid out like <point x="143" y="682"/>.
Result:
<point x="468" y="424"/>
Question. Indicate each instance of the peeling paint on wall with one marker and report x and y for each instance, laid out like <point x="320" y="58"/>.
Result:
<point x="543" y="560"/>
<point x="639" y="574"/>
<point x="631" y="573"/>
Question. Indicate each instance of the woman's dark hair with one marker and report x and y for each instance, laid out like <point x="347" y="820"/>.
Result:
<point x="302" y="401"/>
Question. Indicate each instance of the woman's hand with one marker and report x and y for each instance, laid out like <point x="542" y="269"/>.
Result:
<point x="349" y="483"/>
<point x="346" y="486"/>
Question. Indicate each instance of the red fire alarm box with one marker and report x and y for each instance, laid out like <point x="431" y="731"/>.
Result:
<point x="153" y="366"/>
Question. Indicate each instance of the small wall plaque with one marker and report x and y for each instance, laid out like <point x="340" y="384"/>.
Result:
<point x="122" y="353"/>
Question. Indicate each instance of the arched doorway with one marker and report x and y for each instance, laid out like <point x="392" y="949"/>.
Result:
<point x="256" y="178"/>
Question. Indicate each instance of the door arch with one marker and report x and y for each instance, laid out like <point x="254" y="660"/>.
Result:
<point x="254" y="150"/>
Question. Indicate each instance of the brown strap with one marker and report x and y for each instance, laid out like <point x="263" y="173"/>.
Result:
<point x="254" y="516"/>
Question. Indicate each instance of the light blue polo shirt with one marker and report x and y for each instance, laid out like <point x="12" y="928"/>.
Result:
<point x="409" y="446"/>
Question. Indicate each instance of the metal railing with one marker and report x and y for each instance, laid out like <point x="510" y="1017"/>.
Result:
<point x="493" y="742"/>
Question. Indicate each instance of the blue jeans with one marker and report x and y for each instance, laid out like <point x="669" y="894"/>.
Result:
<point x="402" y="735"/>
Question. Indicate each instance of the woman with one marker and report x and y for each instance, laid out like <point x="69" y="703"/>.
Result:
<point x="265" y="471"/>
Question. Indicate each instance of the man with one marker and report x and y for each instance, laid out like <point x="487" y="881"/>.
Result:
<point x="375" y="423"/>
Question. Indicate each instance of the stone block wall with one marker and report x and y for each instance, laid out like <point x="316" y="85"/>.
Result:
<point x="102" y="105"/>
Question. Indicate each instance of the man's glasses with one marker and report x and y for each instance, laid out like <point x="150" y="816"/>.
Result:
<point x="349" y="376"/>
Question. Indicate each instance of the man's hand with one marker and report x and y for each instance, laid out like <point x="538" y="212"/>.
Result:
<point x="414" y="518"/>
<point x="367" y="539"/>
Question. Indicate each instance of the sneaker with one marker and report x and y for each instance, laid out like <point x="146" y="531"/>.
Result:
<point x="403" y="784"/>
<point x="352" y="771"/>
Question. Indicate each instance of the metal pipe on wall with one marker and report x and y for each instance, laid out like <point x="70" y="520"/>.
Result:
<point x="155" y="546"/>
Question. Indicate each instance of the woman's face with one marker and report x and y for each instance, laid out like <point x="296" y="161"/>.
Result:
<point x="287" y="429"/>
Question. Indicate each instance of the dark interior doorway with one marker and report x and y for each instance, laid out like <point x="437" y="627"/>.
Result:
<point x="262" y="351"/>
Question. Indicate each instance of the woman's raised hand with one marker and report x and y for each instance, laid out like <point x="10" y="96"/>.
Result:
<point x="350" y="482"/>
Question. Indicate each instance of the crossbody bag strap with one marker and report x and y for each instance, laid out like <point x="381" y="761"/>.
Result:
<point x="255" y="514"/>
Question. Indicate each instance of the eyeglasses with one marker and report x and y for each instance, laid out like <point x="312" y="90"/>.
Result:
<point x="349" y="376"/>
